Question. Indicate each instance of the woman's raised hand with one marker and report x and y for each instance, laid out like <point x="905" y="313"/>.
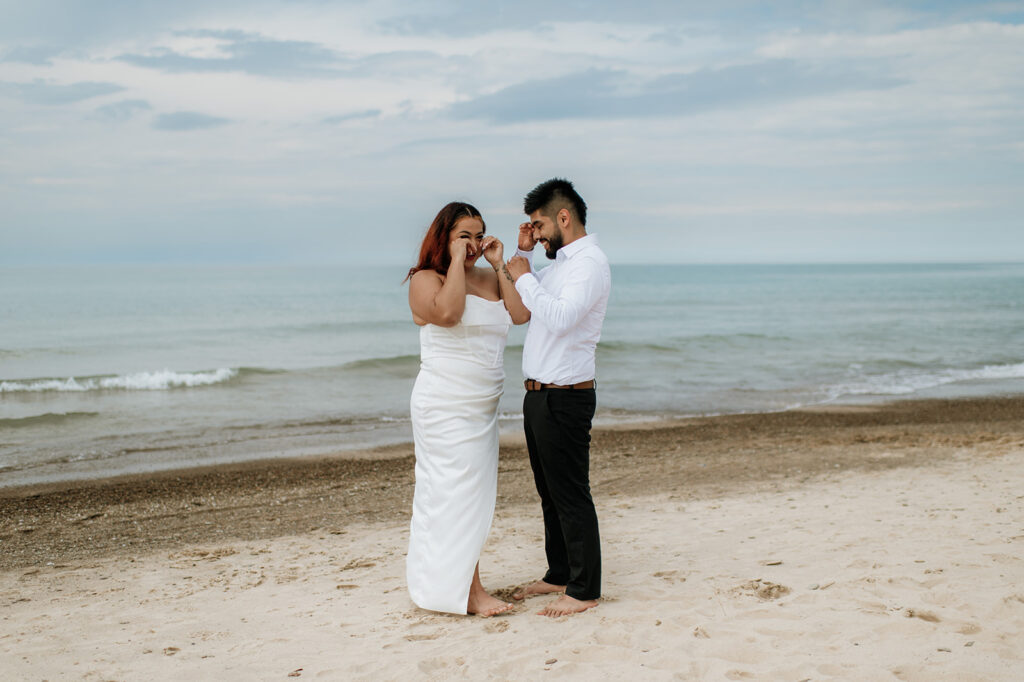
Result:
<point x="459" y="249"/>
<point x="494" y="251"/>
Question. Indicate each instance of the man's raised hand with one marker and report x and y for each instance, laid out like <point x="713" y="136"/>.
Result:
<point x="526" y="240"/>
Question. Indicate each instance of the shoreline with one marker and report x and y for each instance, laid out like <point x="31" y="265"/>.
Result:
<point x="63" y="463"/>
<point x="391" y="449"/>
<point x="853" y="544"/>
<point x="698" y="458"/>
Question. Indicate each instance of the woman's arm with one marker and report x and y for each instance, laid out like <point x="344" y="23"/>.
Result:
<point x="494" y="252"/>
<point x="440" y="300"/>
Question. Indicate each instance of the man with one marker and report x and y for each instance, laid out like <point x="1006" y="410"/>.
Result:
<point x="567" y="302"/>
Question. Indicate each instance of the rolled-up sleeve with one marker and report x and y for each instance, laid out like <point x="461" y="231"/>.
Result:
<point x="584" y="285"/>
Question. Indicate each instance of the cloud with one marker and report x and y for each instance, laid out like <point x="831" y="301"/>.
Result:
<point x="609" y="93"/>
<point x="74" y="23"/>
<point x="35" y="55"/>
<point x="464" y="18"/>
<point x="460" y="18"/>
<point x="805" y="206"/>
<point x="50" y="94"/>
<point x="354" y="116"/>
<point x="187" y="120"/>
<point x="123" y="110"/>
<point x="238" y="51"/>
<point x="735" y="115"/>
<point x="235" y="51"/>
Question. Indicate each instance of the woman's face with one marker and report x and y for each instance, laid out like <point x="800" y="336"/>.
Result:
<point x="473" y="230"/>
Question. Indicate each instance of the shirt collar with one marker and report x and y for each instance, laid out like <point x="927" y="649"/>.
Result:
<point x="570" y="250"/>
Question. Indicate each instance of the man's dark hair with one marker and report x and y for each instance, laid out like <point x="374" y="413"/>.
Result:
<point x="552" y="196"/>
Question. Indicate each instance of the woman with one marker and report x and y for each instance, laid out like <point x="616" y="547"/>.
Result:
<point x="464" y="313"/>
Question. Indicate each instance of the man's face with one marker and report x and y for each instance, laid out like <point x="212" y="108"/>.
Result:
<point x="546" y="233"/>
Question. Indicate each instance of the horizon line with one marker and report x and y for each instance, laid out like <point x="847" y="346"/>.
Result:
<point x="341" y="264"/>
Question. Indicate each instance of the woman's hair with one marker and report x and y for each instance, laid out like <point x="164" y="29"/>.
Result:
<point x="434" y="254"/>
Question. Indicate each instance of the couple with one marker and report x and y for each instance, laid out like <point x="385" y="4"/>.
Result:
<point x="465" y="313"/>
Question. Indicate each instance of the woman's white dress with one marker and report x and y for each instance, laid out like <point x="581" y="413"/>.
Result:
<point x="454" y="410"/>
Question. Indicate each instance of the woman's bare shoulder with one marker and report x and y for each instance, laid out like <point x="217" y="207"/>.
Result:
<point x="425" y="278"/>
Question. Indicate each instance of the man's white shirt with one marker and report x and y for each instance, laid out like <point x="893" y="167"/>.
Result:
<point x="567" y="302"/>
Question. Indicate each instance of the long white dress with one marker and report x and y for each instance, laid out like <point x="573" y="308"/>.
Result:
<point x="454" y="408"/>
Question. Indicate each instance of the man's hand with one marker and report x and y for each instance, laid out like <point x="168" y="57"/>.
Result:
<point x="518" y="266"/>
<point x="526" y="240"/>
<point x="494" y="251"/>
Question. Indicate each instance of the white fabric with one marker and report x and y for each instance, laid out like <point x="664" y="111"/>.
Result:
<point x="454" y="409"/>
<point x="567" y="301"/>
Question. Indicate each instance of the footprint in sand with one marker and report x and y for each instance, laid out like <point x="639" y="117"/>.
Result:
<point x="669" y="576"/>
<point x="432" y="665"/>
<point x="763" y="589"/>
<point x="359" y="563"/>
<point x="923" y="615"/>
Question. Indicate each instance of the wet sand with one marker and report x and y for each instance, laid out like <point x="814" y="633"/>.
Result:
<point x="841" y="543"/>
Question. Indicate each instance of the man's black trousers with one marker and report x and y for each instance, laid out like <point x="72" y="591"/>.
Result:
<point x="557" y="425"/>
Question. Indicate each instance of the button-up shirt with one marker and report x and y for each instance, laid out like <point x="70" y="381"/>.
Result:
<point x="567" y="302"/>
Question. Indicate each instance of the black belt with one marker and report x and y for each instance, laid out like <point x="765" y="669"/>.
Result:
<point x="533" y="385"/>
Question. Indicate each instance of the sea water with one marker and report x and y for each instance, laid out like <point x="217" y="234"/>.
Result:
<point x="107" y="370"/>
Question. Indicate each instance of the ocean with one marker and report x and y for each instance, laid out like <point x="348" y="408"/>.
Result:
<point x="107" y="370"/>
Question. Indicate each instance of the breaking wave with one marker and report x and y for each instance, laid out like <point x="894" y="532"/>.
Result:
<point x="161" y="380"/>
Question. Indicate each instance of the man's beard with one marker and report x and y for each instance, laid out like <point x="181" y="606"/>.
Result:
<point x="555" y="242"/>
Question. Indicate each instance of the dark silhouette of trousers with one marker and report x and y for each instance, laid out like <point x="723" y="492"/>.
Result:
<point x="557" y="423"/>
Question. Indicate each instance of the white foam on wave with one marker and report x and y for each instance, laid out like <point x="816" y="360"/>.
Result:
<point x="140" y="381"/>
<point x="905" y="382"/>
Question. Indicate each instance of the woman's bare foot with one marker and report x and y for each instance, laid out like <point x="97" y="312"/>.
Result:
<point x="485" y="605"/>
<point x="538" y="587"/>
<point x="566" y="606"/>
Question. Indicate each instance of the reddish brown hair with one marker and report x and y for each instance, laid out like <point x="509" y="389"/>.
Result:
<point x="434" y="253"/>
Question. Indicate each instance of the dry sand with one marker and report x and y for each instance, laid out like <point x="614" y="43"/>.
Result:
<point x="849" y="544"/>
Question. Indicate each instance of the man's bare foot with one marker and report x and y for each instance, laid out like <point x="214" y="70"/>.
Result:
<point x="485" y="605"/>
<point x="566" y="606"/>
<point x="538" y="587"/>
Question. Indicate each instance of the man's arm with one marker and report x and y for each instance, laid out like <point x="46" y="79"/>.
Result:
<point x="586" y="282"/>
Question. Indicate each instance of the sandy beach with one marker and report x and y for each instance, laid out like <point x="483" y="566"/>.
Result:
<point x="848" y="543"/>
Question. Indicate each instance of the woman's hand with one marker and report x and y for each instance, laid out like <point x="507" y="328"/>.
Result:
<point x="517" y="267"/>
<point x="494" y="251"/>
<point x="459" y="249"/>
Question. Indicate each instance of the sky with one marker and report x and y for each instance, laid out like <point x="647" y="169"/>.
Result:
<point x="307" y="131"/>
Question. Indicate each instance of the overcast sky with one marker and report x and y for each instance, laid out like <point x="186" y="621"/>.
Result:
<point x="332" y="132"/>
